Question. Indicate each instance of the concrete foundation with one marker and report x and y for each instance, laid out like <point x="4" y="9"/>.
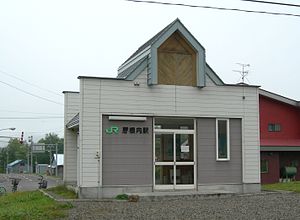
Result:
<point x="113" y="191"/>
<point x="232" y="188"/>
<point x="251" y="187"/>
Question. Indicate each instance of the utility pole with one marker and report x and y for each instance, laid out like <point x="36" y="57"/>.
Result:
<point x="50" y="159"/>
<point x="56" y="160"/>
<point x="7" y="160"/>
<point x="28" y="157"/>
<point x="30" y="139"/>
<point x="243" y="72"/>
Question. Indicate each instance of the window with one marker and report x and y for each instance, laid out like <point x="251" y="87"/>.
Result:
<point x="264" y="166"/>
<point x="222" y="139"/>
<point x="294" y="163"/>
<point x="174" y="123"/>
<point x="274" y="127"/>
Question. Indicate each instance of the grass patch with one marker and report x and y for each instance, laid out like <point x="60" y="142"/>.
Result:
<point x="289" y="186"/>
<point x="31" y="205"/>
<point x="122" y="197"/>
<point x="63" y="191"/>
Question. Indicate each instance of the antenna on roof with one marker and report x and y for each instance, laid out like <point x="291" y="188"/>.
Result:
<point x="243" y="71"/>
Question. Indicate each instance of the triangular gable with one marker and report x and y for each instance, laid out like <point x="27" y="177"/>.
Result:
<point x="200" y="61"/>
<point x="146" y="57"/>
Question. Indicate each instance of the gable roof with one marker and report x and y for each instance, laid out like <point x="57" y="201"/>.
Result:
<point x="74" y="122"/>
<point x="134" y="69"/>
<point x="146" y="55"/>
<point x="14" y="163"/>
<point x="279" y="98"/>
<point x="150" y="42"/>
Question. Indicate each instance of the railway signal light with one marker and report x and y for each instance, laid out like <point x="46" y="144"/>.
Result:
<point x="21" y="139"/>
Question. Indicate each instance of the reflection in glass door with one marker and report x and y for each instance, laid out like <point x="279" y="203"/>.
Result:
<point x="174" y="156"/>
<point x="184" y="162"/>
<point x="164" y="158"/>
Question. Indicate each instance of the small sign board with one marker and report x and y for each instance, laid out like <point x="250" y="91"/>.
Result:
<point x="38" y="148"/>
<point x="185" y="149"/>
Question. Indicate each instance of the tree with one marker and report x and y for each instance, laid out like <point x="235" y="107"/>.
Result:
<point x="50" y="138"/>
<point x="17" y="151"/>
<point x="13" y="151"/>
<point x="3" y="153"/>
<point x="53" y="138"/>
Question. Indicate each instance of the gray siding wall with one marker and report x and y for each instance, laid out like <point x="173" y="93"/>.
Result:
<point x="210" y="170"/>
<point x="127" y="158"/>
<point x="71" y="108"/>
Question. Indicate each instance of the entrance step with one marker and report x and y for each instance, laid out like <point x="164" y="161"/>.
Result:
<point x="176" y="195"/>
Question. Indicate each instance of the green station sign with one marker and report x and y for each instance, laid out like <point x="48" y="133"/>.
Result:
<point x="112" y="130"/>
<point x="127" y="130"/>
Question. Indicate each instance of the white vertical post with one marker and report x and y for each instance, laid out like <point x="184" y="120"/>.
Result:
<point x="56" y="160"/>
<point x="28" y="159"/>
<point x="50" y="159"/>
<point x="7" y="160"/>
<point x="31" y="159"/>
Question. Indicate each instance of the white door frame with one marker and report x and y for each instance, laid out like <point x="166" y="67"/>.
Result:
<point x="174" y="132"/>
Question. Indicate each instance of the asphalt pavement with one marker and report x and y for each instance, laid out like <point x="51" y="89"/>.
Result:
<point x="28" y="182"/>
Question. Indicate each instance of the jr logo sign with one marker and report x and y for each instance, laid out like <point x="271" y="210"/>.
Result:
<point x="112" y="130"/>
<point x="127" y="130"/>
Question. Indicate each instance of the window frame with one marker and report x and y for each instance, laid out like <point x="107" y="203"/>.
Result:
<point x="227" y="136"/>
<point x="274" y="127"/>
<point x="267" y="166"/>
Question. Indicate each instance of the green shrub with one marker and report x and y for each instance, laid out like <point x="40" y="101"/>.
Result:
<point x="122" y="197"/>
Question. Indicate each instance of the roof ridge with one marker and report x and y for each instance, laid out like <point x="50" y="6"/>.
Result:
<point x="150" y="41"/>
<point x="282" y="96"/>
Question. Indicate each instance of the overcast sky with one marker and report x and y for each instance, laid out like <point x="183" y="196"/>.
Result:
<point x="46" y="45"/>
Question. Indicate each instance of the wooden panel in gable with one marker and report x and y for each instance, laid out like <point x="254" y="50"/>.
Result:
<point x="166" y="68"/>
<point x="176" y="62"/>
<point x="185" y="75"/>
<point x="175" y="44"/>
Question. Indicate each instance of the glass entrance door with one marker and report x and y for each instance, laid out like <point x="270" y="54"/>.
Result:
<point x="174" y="162"/>
<point x="184" y="161"/>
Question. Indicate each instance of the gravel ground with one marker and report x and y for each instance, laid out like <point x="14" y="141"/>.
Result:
<point x="266" y="206"/>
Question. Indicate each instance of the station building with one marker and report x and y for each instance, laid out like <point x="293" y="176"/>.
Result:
<point x="167" y="122"/>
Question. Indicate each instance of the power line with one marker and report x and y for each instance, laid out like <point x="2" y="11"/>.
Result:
<point x="272" y="3"/>
<point x="3" y="136"/>
<point x="43" y="132"/>
<point x="28" y="93"/>
<point x="21" y="118"/>
<point x="36" y="113"/>
<point x="216" y="8"/>
<point x="31" y="84"/>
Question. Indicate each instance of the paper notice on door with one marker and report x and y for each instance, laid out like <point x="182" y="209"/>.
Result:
<point x="185" y="149"/>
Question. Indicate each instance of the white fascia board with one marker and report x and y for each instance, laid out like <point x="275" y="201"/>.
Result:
<point x="136" y="58"/>
<point x="126" y="118"/>
<point x="278" y="97"/>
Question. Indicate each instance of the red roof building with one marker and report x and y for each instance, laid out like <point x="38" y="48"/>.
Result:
<point x="279" y="135"/>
